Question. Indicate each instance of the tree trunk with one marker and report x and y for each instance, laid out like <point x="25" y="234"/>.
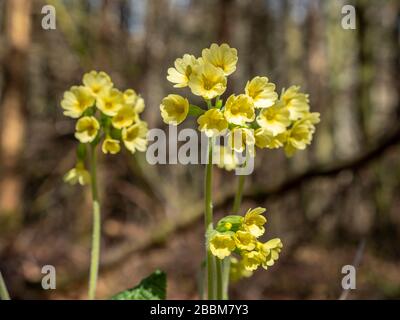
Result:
<point x="13" y="124"/>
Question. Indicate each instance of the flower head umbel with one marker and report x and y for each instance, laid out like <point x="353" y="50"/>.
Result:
<point x="240" y="235"/>
<point x="105" y="116"/>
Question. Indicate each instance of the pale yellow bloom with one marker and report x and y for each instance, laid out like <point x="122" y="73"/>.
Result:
<point x="97" y="82"/>
<point x="296" y="102"/>
<point x="240" y="138"/>
<point x="223" y="57"/>
<point x="245" y="240"/>
<point x="183" y="69"/>
<point x="174" y="109"/>
<point x="76" y="101"/>
<point x="265" y="139"/>
<point x="110" y="146"/>
<point x="110" y="102"/>
<point x="300" y="134"/>
<point x="270" y="250"/>
<point x="252" y="260"/>
<point x="135" y="137"/>
<point x="86" y="129"/>
<point x="237" y="270"/>
<point x="207" y="81"/>
<point x="254" y="221"/>
<point x="139" y="105"/>
<point x="239" y="109"/>
<point x="125" y="117"/>
<point x="275" y="119"/>
<point x="77" y="175"/>
<point x="262" y="92"/>
<point x="221" y="245"/>
<point x="225" y="158"/>
<point x="212" y="122"/>
<point x="133" y="100"/>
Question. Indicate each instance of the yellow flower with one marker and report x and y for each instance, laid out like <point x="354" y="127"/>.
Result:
<point x="183" y="69"/>
<point x="221" y="245"/>
<point x="77" y="175"/>
<point x="212" y="122"/>
<point x="109" y="102"/>
<point x="296" y="102"/>
<point x="223" y="57"/>
<point x="254" y="221"/>
<point x="238" y="271"/>
<point x="110" y="146"/>
<point x="134" y="137"/>
<point x="174" y="109"/>
<point x="225" y="158"/>
<point x="265" y="139"/>
<point x="301" y="133"/>
<point x="125" y="117"/>
<point x="262" y="92"/>
<point x="240" y="138"/>
<point x="270" y="250"/>
<point x="207" y="81"/>
<point x="139" y="105"/>
<point x="133" y="100"/>
<point x="252" y="260"/>
<point x="275" y="118"/>
<point x="245" y="240"/>
<point x="97" y="82"/>
<point x="239" y="109"/>
<point x="86" y="129"/>
<point x="76" y="101"/>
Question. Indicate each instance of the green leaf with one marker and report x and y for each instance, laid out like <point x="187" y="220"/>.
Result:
<point x="195" y="110"/>
<point x="154" y="287"/>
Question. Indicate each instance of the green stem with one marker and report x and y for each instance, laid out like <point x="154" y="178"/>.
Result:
<point x="220" y="286"/>
<point x="239" y="194"/>
<point x="3" y="289"/>
<point x="95" y="254"/>
<point x="208" y="219"/>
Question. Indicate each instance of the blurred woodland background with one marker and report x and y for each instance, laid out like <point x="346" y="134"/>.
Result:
<point x="323" y="203"/>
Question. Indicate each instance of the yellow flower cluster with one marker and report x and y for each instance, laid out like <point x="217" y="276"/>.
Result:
<point x="99" y="105"/>
<point x="104" y="113"/>
<point x="239" y="235"/>
<point x="257" y="117"/>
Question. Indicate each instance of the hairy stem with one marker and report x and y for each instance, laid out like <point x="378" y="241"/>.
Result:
<point x="208" y="219"/>
<point x="95" y="253"/>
